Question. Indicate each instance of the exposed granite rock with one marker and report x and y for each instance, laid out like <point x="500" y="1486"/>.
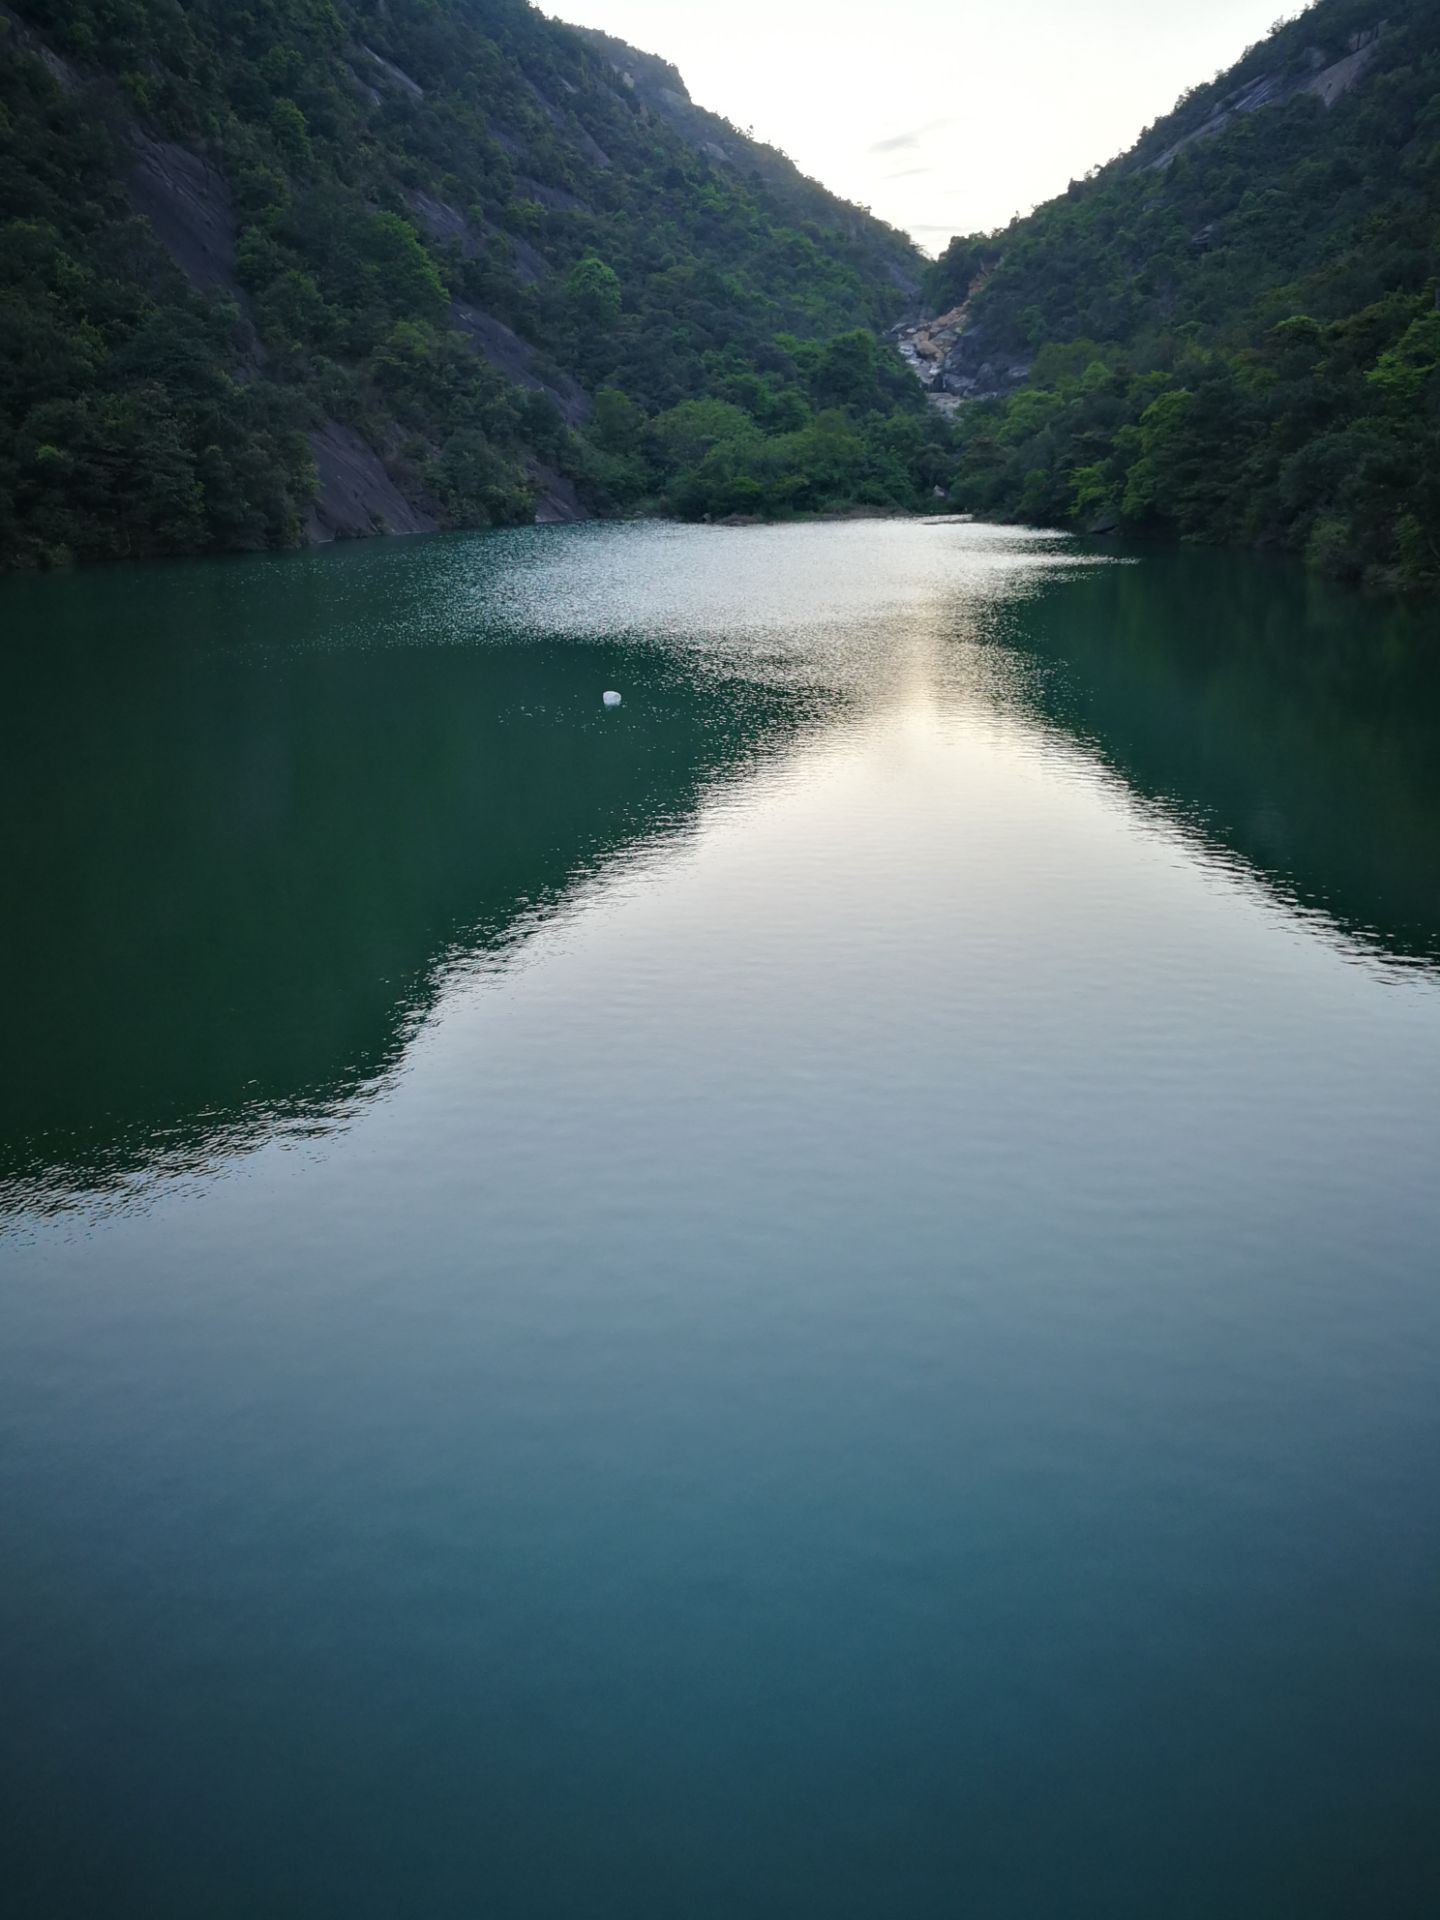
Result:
<point x="569" y="126"/>
<point x="188" y="204"/>
<point x="953" y="358"/>
<point x="393" y="74"/>
<point x="357" y="497"/>
<point x="514" y="357"/>
<point x="557" y="199"/>
<point x="364" y="88"/>
<point x="1326" y="79"/>
<point x="446" y="223"/>
<point x="1338" y="78"/>
<point x="184" y="198"/>
<point x="55" y="64"/>
<point x="443" y="222"/>
<point x="556" y="501"/>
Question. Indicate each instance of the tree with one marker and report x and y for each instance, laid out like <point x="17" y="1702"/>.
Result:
<point x="407" y="278"/>
<point x="617" y="423"/>
<point x="592" y="291"/>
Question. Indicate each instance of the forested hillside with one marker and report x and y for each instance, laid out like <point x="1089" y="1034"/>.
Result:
<point x="298" y="268"/>
<point x="1232" y="333"/>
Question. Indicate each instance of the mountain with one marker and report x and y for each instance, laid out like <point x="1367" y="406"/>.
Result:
<point x="317" y="268"/>
<point x="1231" y="333"/>
<point x="885" y="254"/>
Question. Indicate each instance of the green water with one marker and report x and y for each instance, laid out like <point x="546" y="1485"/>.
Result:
<point x="818" y="1294"/>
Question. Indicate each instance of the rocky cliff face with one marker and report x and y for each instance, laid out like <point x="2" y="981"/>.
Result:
<point x="1319" y="72"/>
<point x="955" y="360"/>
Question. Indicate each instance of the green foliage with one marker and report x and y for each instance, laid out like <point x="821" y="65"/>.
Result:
<point x="1404" y="377"/>
<point x="760" y="446"/>
<point x="617" y="423"/>
<point x="122" y="429"/>
<point x="292" y="135"/>
<point x="593" y="291"/>
<point x="474" y="484"/>
<point x="949" y="280"/>
<point x="410" y="184"/>
<point x="1240" y="335"/>
<point x="406" y="278"/>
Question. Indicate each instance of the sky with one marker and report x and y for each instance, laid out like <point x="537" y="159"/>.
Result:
<point x="943" y="116"/>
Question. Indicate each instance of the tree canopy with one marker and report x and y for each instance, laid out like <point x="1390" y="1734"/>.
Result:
<point x="447" y="227"/>
<point x="1232" y="332"/>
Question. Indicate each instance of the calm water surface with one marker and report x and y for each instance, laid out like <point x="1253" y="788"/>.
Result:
<point x="820" y="1295"/>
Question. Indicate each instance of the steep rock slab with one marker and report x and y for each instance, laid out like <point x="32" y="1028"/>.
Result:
<point x="514" y="357"/>
<point x="187" y="202"/>
<point x="357" y="497"/>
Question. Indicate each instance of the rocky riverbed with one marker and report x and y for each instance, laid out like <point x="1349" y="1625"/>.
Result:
<point x="954" y="360"/>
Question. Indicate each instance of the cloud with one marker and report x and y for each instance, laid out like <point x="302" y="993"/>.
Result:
<point x="909" y="173"/>
<point x="907" y="142"/>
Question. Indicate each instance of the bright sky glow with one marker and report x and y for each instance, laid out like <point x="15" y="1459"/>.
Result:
<point x="944" y="116"/>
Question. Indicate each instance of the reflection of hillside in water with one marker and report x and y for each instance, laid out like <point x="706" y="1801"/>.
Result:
<point x="254" y="811"/>
<point x="1292" y="727"/>
<point x="240" y="873"/>
<point x="253" y="814"/>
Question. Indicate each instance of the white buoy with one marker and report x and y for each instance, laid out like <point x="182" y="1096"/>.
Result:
<point x="611" y="699"/>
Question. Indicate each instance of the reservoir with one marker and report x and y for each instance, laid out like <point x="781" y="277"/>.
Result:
<point x="814" y="1293"/>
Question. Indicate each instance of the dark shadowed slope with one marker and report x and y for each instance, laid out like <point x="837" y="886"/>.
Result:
<point x="328" y="269"/>
<point x="258" y="812"/>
